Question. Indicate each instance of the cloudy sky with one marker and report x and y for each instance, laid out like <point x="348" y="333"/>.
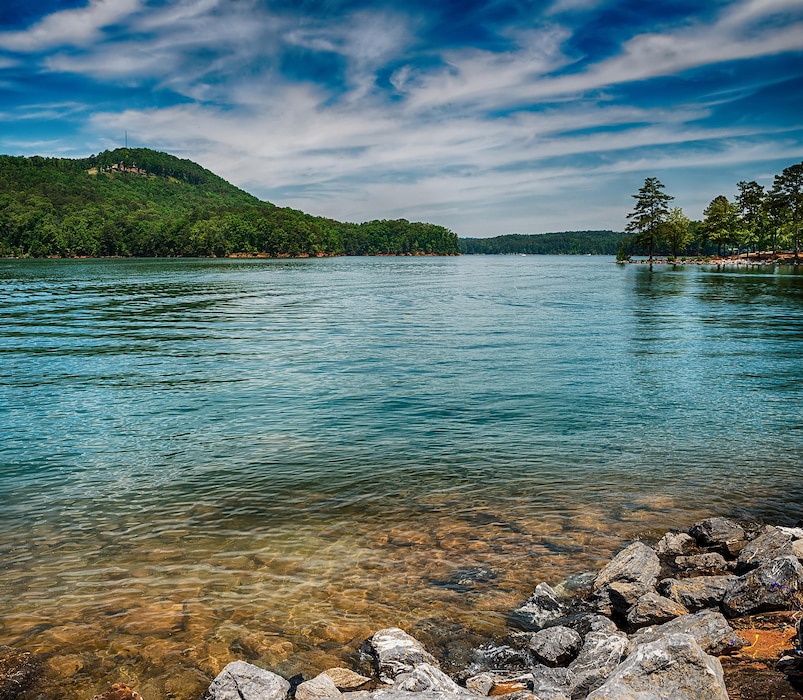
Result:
<point x="487" y="117"/>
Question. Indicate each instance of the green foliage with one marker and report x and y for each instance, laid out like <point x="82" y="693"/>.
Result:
<point x="720" y="223"/>
<point x="566" y="243"/>
<point x="138" y="202"/>
<point x="788" y="192"/>
<point x="649" y="214"/>
<point x="677" y="232"/>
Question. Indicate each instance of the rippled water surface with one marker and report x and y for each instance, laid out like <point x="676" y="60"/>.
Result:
<point x="204" y="460"/>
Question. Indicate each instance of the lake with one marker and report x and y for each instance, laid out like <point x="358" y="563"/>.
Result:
<point x="205" y="460"/>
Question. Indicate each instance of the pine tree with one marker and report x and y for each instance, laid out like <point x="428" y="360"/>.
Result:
<point x="649" y="214"/>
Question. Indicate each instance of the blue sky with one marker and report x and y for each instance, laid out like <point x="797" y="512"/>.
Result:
<point x="506" y="116"/>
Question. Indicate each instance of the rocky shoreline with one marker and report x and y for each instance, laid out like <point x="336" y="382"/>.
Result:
<point x="709" y="614"/>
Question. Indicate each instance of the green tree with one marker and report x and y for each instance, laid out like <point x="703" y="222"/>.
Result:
<point x="649" y="214"/>
<point x="720" y="222"/>
<point x="752" y="217"/>
<point x="677" y="230"/>
<point x="788" y="186"/>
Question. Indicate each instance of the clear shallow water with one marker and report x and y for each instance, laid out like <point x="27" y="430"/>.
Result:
<point x="204" y="460"/>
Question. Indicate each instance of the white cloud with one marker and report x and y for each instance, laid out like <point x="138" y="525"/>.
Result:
<point x="75" y="27"/>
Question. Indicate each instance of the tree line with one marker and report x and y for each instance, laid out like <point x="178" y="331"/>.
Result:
<point x="139" y="202"/>
<point x="756" y="221"/>
<point x="560" y="243"/>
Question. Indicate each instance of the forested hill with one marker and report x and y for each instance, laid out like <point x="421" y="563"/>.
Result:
<point x="139" y="202"/>
<point x="565" y="243"/>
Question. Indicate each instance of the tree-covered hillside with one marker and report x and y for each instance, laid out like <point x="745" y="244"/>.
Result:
<point x="566" y="243"/>
<point x="139" y="202"/>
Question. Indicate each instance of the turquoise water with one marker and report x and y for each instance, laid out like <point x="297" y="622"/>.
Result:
<point x="269" y="459"/>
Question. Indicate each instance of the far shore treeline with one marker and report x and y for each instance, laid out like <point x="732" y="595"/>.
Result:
<point x="145" y="203"/>
<point x="140" y="202"/>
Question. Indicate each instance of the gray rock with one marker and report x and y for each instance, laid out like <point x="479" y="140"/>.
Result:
<point x="673" y="667"/>
<point x="719" y="532"/>
<point x="770" y="544"/>
<point x="552" y="683"/>
<point x="392" y="652"/>
<point x="709" y="560"/>
<point x="556" y="646"/>
<point x="540" y="609"/>
<point x="618" y="598"/>
<point x="710" y="629"/>
<point x="583" y="623"/>
<point x="396" y="694"/>
<point x="637" y="564"/>
<point x="654" y="609"/>
<point x="796" y="533"/>
<point x="697" y="592"/>
<point x="322" y="686"/>
<point x="673" y="544"/>
<point x="775" y="585"/>
<point x="489" y="683"/>
<point x="346" y="679"/>
<point x="497" y="658"/>
<point x="601" y="654"/>
<point x="243" y="681"/>
<point x="425" y="677"/>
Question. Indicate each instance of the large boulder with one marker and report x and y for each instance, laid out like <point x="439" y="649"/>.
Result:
<point x="726" y="535"/>
<point x="243" y="681"/>
<point x="555" y="646"/>
<point x="775" y="585"/>
<point x="601" y="654"/>
<point x="637" y="563"/>
<point x="709" y="628"/>
<point x="637" y="567"/>
<point x="674" y="667"/>
<point x="392" y="652"/>
<point x="542" y="608"/>
<point x="697" y="592"/>
<point x="770" y="544"/>
<point x="654" y="609"/>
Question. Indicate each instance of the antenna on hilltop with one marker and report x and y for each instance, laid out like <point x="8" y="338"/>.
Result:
<point x="126" y="138"/>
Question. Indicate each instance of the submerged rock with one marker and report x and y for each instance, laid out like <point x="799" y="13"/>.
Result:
<point x="243" y="681"/>
<point x="19" y="670"/>
<point x="119" y="691"/>
<point x="674" y="667"/>
<point x="392" y="652"/>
